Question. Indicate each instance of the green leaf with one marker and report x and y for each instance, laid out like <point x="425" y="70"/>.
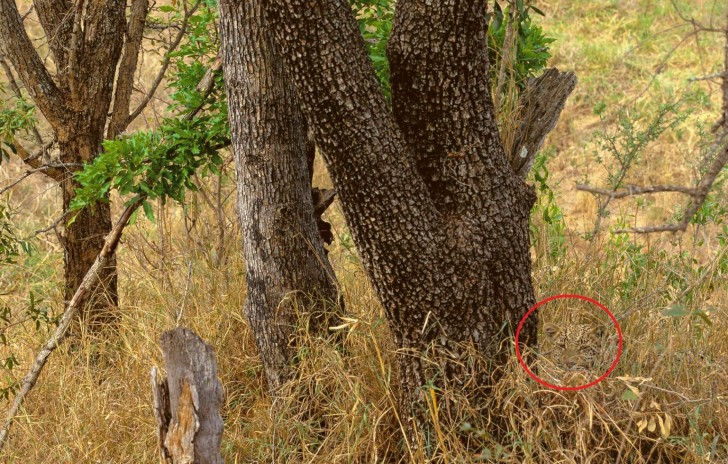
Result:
<point x="704" y="316"/>
<point x="148" y="211"/>
<point x="676" y="311"/>
<point x="133" y="217"/>
<point x="629" y="395"/>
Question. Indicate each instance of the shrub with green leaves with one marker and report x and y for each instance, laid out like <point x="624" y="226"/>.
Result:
<point x="14" y="120"/>
<point x="532" y="46"/>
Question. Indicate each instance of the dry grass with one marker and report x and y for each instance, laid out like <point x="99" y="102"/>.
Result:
<point x="93" y="405"/>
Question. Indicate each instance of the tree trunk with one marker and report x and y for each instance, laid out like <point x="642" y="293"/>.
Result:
<point x="84" y="238"/>
<point x="438" y="214"/>
<point x="187" y="403"/>
<point x="287" y="268"/>
<point x="85" y="41"/>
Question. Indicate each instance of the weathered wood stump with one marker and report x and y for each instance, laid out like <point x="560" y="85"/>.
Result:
<point x="187" y="403"/>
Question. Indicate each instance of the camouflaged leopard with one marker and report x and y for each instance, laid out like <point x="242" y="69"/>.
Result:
<point x="574" y="346"/>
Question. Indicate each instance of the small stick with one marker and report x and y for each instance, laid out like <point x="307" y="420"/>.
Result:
<point x="89" y="281"/>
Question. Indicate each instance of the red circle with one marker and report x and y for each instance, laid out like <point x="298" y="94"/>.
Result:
<point x="579" y="387"/>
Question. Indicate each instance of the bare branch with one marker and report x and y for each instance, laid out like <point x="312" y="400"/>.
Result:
<point x="55" y="18"/>
<point x="706" y="78"/>
<point x="127" y="68"/>
<point x="30" y="172"/>
<point x="35" y="161"/>
<point x="165" y="63"/>
<point x="22" y="55"/>
<point x="679" y="227"/>
<point x="698" y="196"/>
<point x="89" y="282"/>
<point x="27" y="13"/>
<point x="637" y="190"/>
<point x="696" y="25"/>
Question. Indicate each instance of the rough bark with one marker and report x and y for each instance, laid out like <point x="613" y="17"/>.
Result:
<point x="127" y="68"/>
<point x="187" y="403"/>
<point x="86" y="40"/>
<point x="287" y="268"/>
<point x="437" y="212"/>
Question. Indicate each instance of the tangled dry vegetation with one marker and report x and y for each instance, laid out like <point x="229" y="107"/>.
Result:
<point x="667" y="401"/>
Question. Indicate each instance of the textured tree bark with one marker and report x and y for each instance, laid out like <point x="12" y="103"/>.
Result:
<point x="437" y="212"/>
<point x="187" y="403"/>
<point x="85" y="41"/>
<point x="542" y="102"/>
<point x="287" y="268"/>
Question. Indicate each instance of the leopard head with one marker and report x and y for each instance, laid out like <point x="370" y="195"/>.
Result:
<point x="574" y="345"/>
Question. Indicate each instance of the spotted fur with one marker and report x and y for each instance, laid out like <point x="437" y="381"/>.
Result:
<point x="573" y="346"/>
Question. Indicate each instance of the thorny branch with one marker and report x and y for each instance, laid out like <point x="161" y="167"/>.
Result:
<point x="699" y="193"/>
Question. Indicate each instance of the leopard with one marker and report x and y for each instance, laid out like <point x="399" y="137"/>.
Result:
<point x="574" y="346"/>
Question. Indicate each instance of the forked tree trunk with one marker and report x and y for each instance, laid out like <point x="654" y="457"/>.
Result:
<point x="438" y="214"/>
<point x="85" y="41"/>
<point x="287" y="270"/>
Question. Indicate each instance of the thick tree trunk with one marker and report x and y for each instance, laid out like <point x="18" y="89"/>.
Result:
<point x="437" y="212"/>
<point x="287" y="268"/>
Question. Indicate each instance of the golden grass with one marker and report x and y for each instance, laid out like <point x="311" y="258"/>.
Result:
<point x="93" y="403"/>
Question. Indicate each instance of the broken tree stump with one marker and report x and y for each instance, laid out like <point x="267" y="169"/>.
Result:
<point x="187" y="403"/>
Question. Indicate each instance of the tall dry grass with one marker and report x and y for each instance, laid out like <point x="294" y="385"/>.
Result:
<point x="93" y="403"/>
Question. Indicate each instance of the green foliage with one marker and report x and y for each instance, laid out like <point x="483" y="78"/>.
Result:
<point x="156" y="164"/>
<point x="532" y="46"/>
<point x="619" y="148"/>
<point x="375" y="23"/>
<point x="11" y="247"/>
<point x="546" y="208"/>
<point x="162" y="163"/>
<point x="15" y="119"/>
<point x="10" y="244"/>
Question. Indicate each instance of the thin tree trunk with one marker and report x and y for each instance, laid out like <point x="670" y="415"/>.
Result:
<point x="84" y="238"/>
<point x="287" y="269"/>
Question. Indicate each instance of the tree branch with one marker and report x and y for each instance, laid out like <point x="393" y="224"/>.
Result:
<point x="35" y="161"/>
<point x="55" y="18"/>
<point x="127" y="68"/>
<point x="30" y="172"/>
<point x="22" y="55"/>
<point x="165" y="64"/>
<point x="698" y="194"/>
<point x="637" y="190"/>
<point x="89" y="282"/>
<point x="543" y="100"/>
